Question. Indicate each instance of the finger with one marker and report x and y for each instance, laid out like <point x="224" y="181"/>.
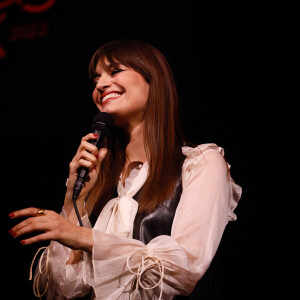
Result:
<point x="90" y="157"/>
<point x="26" y="212"/>
<point x="86" y="159"/>
<point x="38" y="238"/>
<point x="85" y="145"/>
<point x="29" y="225"/>
<point x="78" y="162"/>
<point x="83" y="163"/>
<point x="90" y="136"/>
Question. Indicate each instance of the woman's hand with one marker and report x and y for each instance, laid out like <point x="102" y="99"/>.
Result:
<point x="87" y="156"/>
<point x="51" y="226"/>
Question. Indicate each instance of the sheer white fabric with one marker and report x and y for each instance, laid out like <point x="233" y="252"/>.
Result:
<point x="117" y="217"/>
<point x="208" y="200"/>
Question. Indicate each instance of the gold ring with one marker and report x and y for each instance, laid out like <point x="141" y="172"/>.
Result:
<point x="40" y="212"/>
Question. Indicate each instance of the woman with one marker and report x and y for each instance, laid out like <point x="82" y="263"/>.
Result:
<point x="153" y="210"/>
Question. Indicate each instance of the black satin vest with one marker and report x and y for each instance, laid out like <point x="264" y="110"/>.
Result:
<point x="147" y="226"/>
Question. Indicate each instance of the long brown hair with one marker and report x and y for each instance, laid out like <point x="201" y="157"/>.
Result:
<point x="162" y="136"/>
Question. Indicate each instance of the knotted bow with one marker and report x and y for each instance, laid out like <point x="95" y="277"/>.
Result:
<point x="148" y="263"/>
<point x="118" y="215"/>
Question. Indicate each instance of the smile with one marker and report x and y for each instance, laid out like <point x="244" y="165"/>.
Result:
<point x="111" y="96"/>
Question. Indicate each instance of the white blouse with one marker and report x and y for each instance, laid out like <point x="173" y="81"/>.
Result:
<point x="121" y="267"/>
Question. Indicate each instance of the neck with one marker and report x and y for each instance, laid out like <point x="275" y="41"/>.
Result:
<point x="135" y="149"/>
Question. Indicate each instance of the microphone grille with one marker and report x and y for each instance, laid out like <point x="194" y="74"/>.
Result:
<point x="102" y="119"/>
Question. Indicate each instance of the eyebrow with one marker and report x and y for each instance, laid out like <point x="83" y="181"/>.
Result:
<point x="96" y="74"/>
<point x="106" y="68"/>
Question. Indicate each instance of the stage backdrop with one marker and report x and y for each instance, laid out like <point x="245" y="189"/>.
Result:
<point x="236" y="71"/>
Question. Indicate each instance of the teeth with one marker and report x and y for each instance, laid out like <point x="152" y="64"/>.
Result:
<point x="111" y="95"/>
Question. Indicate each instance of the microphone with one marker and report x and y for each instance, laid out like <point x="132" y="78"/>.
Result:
<point x="102" y="126"/>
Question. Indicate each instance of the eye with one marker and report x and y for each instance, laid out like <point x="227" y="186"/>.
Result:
<point x="115" y="71"/>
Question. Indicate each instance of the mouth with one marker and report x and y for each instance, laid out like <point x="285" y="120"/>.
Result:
<point x="110" y="96"/>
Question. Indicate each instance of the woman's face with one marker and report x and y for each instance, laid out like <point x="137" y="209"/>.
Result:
<point x="121" y="92"/>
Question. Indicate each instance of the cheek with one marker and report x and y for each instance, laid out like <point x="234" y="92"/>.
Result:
<point x="137" y="86"/>
<point x="144" y="94"/>
<point x="138" y="98"/>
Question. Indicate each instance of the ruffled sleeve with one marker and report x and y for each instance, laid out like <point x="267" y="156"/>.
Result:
<point x="194" y="157"/>
<point x="207" y="203"/>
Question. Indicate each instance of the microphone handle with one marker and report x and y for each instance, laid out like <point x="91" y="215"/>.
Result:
<point x="83" y="173"/>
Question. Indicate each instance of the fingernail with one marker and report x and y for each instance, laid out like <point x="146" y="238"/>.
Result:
<point x="11" y="215"/>
<point x="95" y="135"/>
<point x="23" y="242"/>
<point x="10" y="231"/>
<point x="13" y="234"/>
<point x="97" y="155"/>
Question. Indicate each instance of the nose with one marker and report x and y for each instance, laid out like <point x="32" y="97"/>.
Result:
<point x="103" y="83"/>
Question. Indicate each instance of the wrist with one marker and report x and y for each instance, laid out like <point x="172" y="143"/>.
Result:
<point x="69" y="209"/>
<point x="87" y="239"/>
<point x="85" y="242"/>
<point x="69" y="198"/>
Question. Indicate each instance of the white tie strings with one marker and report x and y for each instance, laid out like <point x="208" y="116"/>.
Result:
<point x="36" y="280"/>
<point x="148" y="263"/>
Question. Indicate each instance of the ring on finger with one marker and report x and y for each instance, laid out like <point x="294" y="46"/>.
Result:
<point x="40" y="212"/>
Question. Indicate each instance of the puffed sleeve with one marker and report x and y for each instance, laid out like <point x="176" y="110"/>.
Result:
<point x="207" y="203"/>
<point x="171" y="265"/>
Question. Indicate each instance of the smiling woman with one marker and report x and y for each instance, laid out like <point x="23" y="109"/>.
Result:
<point x="126" y="86"/>
<point x="148" y="108"/>
<point x="154" y="209"/>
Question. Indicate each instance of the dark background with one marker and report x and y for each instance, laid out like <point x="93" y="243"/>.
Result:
<point x="236" y="69"/>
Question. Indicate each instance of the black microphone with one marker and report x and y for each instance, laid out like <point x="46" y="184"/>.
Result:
<point x="102" y="126"/>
